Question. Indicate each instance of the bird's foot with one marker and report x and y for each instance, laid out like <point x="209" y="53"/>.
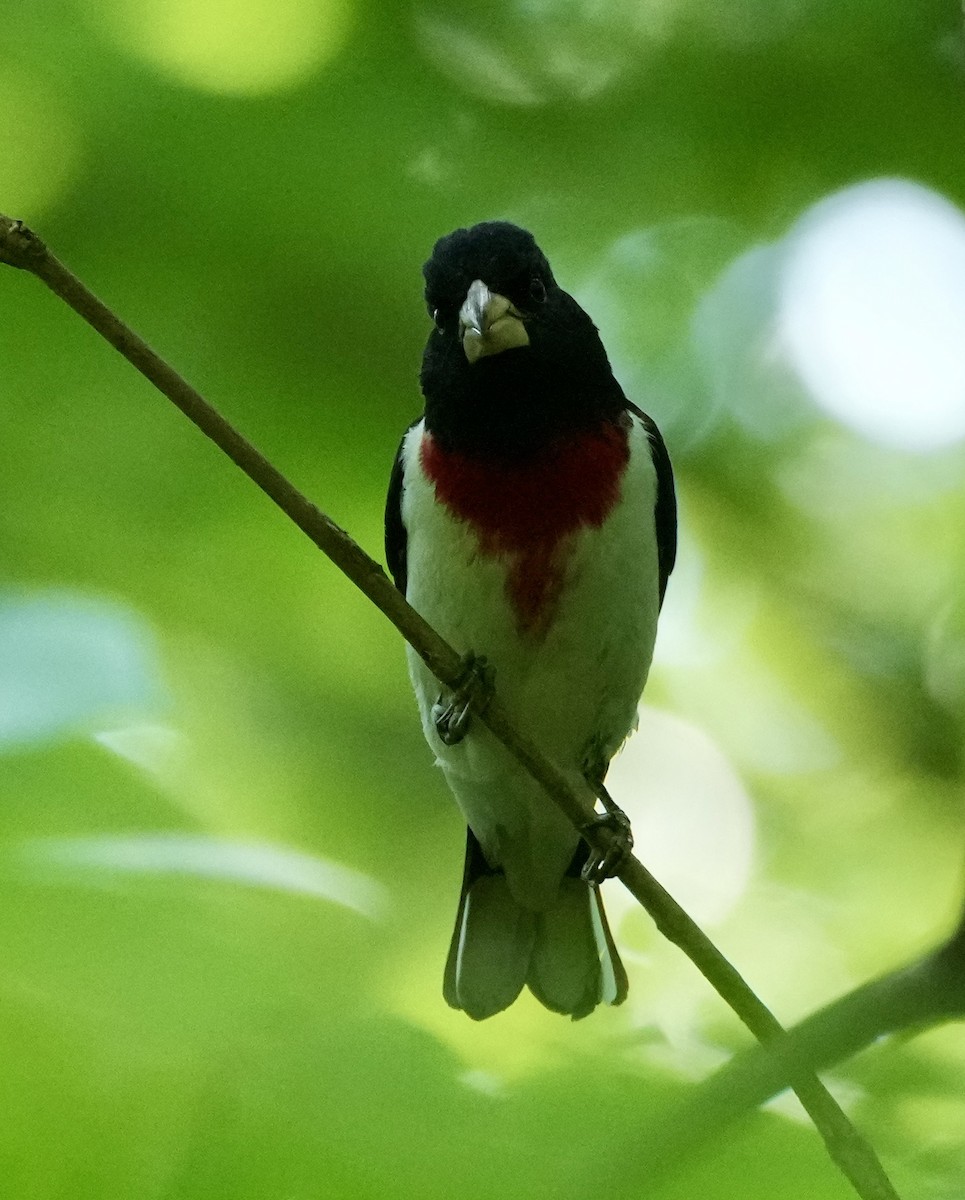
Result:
<point x="453" y="717"/>
<point x="601" y="864"/>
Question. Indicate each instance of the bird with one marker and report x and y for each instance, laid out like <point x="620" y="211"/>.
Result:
<point x="531" y="519"/>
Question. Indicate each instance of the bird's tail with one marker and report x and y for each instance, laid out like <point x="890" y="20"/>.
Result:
<point x="565" y="954"/>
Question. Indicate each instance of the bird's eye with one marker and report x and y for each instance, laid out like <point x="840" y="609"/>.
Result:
<point x="537" y="289"/>
<point x="437" y="318"/>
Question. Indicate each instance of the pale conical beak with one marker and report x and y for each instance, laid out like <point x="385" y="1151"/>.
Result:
<point x="488" y="323"/>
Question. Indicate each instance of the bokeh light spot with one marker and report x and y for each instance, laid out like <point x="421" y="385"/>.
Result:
<point x="872" y="312"/>
<point x="527" y="54"/>
<point x="68" y="660"/>
<point x="246" y="863"/>
<point x="642" y="291"/>
<point x="236" y="47"/>
<point x="690" y="809"/>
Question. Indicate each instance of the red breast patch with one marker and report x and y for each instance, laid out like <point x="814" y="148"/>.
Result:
<point x="527" y="512"/>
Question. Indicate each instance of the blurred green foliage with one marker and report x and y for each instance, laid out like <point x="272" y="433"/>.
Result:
<point x="228" y="870"/>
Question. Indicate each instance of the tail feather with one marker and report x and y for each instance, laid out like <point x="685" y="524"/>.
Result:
<point x="475" y="867"/>
<point x="565" y="954"/>
<point x="615" y="982"/>
<point x="493" y="945"/>
<point x="564" y="972"/>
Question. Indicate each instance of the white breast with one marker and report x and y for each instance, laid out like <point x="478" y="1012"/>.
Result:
<point x="575" y="690"/>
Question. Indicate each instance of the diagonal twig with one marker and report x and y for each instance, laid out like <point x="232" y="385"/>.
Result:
<point x="21" y="248"/>
<point x="917" y="996"/>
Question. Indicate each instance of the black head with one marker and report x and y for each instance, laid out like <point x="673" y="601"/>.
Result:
<point x="513" y="362"/>
<point x="505" y="257"/>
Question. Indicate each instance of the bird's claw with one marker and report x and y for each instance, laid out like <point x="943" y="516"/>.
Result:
<point x="604" y="864"/>
<point x="453" y="717"/>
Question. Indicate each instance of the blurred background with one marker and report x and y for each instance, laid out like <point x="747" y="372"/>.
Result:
<point x="228" y="868"/>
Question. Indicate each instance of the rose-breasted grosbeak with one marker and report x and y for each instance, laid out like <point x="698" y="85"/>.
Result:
<point x="530" y="518"/>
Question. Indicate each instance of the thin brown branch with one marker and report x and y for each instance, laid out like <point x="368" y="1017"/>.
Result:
<point x="917" y="996"/>
<point x="21" y="248"/>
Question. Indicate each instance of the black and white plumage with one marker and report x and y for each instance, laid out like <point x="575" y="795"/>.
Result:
<point x="530" y="519"/>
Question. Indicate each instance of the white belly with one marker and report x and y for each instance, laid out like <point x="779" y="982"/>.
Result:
<point x="574" y="690"/>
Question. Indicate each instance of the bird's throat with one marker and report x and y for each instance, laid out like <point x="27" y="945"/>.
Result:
<point x="527" y="512"/>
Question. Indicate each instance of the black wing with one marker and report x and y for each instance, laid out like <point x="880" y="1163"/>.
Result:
<point x="665" y="510"/>
<point x="396" y="539"/>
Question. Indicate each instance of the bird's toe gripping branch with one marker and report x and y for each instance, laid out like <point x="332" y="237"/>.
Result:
<point x="453" y="716"/>
<point x="601" y="864"/>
